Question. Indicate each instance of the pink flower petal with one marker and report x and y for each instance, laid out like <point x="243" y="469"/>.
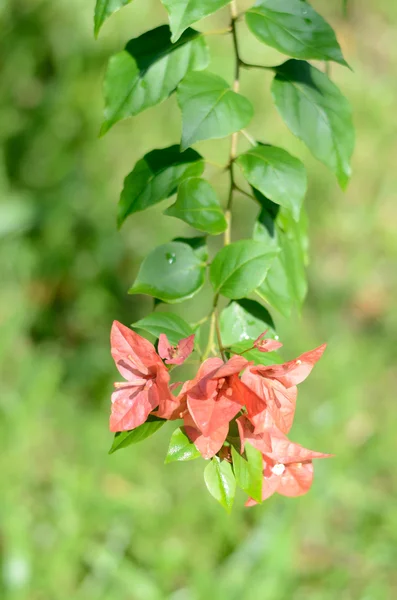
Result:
<point x="131" y="408"/>
<point x="268" y="345"/>
<point x="232" y="367"/>
<point x="164" y="346"/>
<point x="295" y="371"/>
<point x="209" y="445"/>
<point x="134" y="356"/>
<point x="296" y="480"/>
<point x="261" y="442"/>
<point x="287" y="452"/>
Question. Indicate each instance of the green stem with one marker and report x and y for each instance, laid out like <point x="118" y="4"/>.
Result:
<point x="234" y="138"/>
<point x="211" y="334"/>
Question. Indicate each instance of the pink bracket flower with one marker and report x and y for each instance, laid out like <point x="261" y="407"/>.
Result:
<point x="146" y="385"/>
<point x="175" y="355"/>
<point x="268" y="345"/>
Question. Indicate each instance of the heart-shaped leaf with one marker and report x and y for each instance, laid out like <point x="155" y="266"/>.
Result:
<point x="294" y="28"/>
<point x="220" y="481"/>
<point x="172" y="272"/>
<point x="317" y="113"/>
<point x="155" y="177"/>
<point x="210" y="109"/>
<point x="181" y="448"/>
<point x="183" y="13"/>
<point x="103" y="10"/>
<point x="123" y="439"/>
<point x="276" y="174"/>
<point x="244" y="320"/>
<point x="174" y="327"/>
<point x="249" y="473"/>
<point x="148" y="71"/>
<point x="240" y="267"/>
<point x="197" y="204"/>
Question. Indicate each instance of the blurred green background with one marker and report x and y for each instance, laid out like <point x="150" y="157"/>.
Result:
<point x="77" y="523"/>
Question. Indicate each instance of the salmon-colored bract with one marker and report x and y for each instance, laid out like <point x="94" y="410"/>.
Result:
<point x="259" y="399"/>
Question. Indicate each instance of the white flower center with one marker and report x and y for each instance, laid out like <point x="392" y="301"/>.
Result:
<point x="278" y="469"/>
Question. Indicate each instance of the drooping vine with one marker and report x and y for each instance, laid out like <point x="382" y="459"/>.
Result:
<point x="240" y="405"/>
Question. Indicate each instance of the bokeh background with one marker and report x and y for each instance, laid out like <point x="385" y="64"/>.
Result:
<point x="77" y="523"/>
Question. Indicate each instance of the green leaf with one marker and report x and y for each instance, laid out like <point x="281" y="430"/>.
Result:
<point x="257" y="357"/>
<point x="198" y="244"/>
<point x="174" y="327"/>
<point x="183" y="13"/>
<point x="317" y="113"/>
<point x="244" y="320"/>
<point x="285" y="286"/>
<point x="103" y="10"/>
<point x="171" y="272"/>
<point x="210" y="109"/>
<point x="155" y="177"/>
<point x="181" y="448"/>
<point x="240" y="268"/>
<point x="197" y="204"/>
<point x="276" y="174"/>
<point x="294" y="28"/>
<point x="148" y="71"/>
<point x="249" y="473"/>
<point x="220" y="481"/>
<point x="123" y="439"/>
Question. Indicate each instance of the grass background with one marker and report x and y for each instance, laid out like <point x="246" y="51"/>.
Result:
<point x="77" y="523"/>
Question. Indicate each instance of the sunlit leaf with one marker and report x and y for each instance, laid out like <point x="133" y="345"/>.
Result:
<point x="181" y="448"/>
<point x="244" y="320"/>
<point x="285" y="286"/>
<point x="240" y="267"/>
<point x="171" y="272"/>
<point x="294" y="28"/>
<point x="174" y="327"/>
<point x="316" y="112"/>
<point x="210" y="109"/>
<point x="148" y="71"/>
<point x="183" y="13"/>
<point x="249" y="471"/>
<point x="220" y="481"/>
<point x="254" y="355"/>
<point x="155" y="177"/>
<point x="276" y="174"/>
<point x="127" y="438"/>
<point x="197" y="204"/>
<point x="103" y="10"/>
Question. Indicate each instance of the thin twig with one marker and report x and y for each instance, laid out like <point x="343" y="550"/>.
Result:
<point x="217" y="31"/>
<point x="249" y="137"/>
<point x="234" y="139"/>
<point x="210" y="344"/>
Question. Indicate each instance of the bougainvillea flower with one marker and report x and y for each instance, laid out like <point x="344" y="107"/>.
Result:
<point x="277" y="403"/>
<point x="295" y="371"/>
<point x="175" y="355"/>
<point x="213" y="398"/>
<point x="267" y="345"/>
<point x="287" y="467"/>
<point x="275" y="385"/>
<point x="208" y="445"/>
<point x="147" y="379"/>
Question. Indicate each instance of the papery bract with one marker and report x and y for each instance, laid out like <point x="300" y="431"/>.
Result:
<point x="213" y="399"/>
<point x="275" y="385"/>
<point x="295" y="371"/>
<point x="175" y="355"/>
<point x="147" y="378"/>
<point x="266" y="345"/>
<point x="287" y="467"/>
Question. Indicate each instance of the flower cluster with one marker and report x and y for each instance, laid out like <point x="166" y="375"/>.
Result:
<point x="260" y="400"/>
